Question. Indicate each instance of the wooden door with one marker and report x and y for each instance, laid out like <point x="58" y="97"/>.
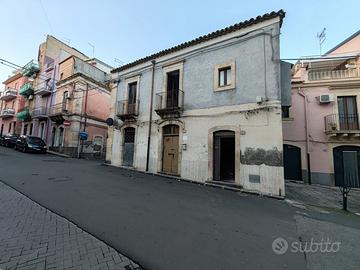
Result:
<point x="170" y="149"/>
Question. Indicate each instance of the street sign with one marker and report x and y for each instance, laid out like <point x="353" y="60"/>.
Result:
<point x="66" y="123"/>
<point x="83" y="135"/>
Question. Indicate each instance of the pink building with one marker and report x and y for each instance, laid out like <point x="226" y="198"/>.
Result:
<point x="11" y="102"/>
<point x="321" y="128"/>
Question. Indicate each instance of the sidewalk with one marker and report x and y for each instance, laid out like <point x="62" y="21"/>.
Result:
<point x="321" y="196"/>
<point x="32" y="237"/>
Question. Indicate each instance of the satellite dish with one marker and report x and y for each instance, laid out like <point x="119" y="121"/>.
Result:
<point x="109" y="122"/>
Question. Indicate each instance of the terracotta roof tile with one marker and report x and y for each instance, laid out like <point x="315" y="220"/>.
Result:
<point x="205" y="38"/>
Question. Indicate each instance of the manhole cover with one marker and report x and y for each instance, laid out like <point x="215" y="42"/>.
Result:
<point x="60" y="179"/>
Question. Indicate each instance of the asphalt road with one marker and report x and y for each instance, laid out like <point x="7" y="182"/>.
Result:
<point x="160" y="223"/>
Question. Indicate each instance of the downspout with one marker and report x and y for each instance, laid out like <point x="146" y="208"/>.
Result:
<point x="85" y="117"/>
<point x="150" y="117"/>
<point x="301" y="93"/>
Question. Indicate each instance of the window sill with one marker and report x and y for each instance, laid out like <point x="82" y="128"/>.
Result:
<point x="288" y="119"/>
<point x="224" y="88"/>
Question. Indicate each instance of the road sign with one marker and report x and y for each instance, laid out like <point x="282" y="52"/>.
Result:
<point x="66" y="123"/>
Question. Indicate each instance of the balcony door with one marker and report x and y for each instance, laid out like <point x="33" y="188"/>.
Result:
<point x="131" y="98"/>
<point x="172" y="89"/>
<point x="348" y="115"/>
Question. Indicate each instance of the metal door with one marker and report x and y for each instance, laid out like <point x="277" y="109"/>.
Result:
<point x="292" y="162"/>
<point x="128" y="150"/>
<point x="170" y="149"/>
<point x="347" y="166"/>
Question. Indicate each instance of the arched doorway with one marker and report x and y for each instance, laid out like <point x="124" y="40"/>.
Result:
<point x="347" y="165"/>
<point x="170" y="153"/>
<point x="224" y="156"/>
<point x="128" y="147"/>
<point x="292" y="162"/>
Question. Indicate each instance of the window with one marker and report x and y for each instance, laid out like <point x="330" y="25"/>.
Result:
<point x="132" y="92"/>
<point x="10" y="128"/>
<point x="285" y="111"/>
<point x="31" y="129"/>
<point x="13" y="105"/>
<point x="224" y="76"/>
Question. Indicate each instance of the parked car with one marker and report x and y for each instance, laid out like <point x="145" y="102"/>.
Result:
<point x="27" y="143"/>
<point x="8" y="140"/>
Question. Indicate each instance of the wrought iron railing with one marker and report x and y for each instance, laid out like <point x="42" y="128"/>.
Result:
<point x="7" y="112"/>
<point x="124" y="107"/>
<point x="169" y="100"/>
<point x="39" y="111"/>
<point x="341" y="122"/>
<point x="8" y="93"/>
<point x="60" y="108"/>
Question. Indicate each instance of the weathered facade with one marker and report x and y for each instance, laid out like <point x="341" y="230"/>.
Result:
<point x="81" y="105"/>
<point x="322" y="126"/>
<point x="208" y="110"/>
<point x="11" y="102"/>
<point x="65" y="85"/>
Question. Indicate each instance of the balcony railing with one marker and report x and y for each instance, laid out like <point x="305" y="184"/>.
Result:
<point x="40" y="112"/>
<point x="333" y="74"/>
<point x="8" y="94"/>
<point x="170" y="103"/>
<point x="43" y="89"/>
<point x="126" y="110"/>
<point x="58" y="109"/>
<point x="26" y="90"/>
<point x="337" y="123"/>
<point x="30" y="68"/>
<point x="7" y="112"/>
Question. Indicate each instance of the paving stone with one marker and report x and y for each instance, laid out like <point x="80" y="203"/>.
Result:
<point x="34" y="238"/>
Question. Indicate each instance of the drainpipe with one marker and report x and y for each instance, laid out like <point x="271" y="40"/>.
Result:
<point x="150" y="117"/>
<point x="85" y="117"/>
<point x="301" y="93"/>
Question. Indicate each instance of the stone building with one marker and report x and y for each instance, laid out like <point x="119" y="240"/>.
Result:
<point x="207" y="110"/>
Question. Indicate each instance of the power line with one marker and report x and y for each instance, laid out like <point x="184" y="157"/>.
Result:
<point x="46" y="17"/>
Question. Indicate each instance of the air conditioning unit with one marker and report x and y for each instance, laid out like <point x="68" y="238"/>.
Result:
<point x="326" y="98"/>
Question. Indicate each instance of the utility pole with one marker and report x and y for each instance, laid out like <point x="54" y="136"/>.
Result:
<point x="321" y="37"/>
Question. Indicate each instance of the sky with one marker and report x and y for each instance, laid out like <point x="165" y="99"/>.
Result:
<point x="128" y="30"/>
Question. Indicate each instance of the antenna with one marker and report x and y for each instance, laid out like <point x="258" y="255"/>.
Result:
<point x="118" y="62"/>
<point x="93" y="49"/>
<point x="321" y="37"/>
<point x="66" y="40"/>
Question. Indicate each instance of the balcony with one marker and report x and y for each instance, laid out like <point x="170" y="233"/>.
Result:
<point x="7" y="112"/>
<point x="30" y="68"/>
<point x="127" y="111"/>
<point x="26" y="90"/>
<point x="169" y="104"/>
<point x="57" y="112"/>
<point x="342" y="125"/>
<point x="40" y="113"/>
<point x="8" y="94"/>
<point x="333" y="74"/>
<point x="23" y="114"/>
<point x="43" y="89"/>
